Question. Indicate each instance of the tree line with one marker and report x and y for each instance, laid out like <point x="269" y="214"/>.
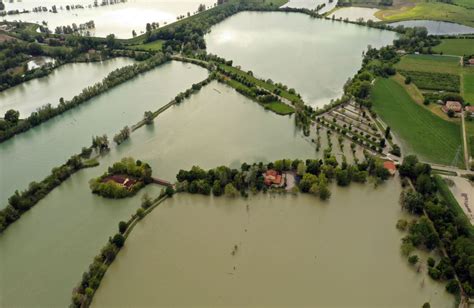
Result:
<point x="440" y="226"/>
<point x="47" y="112"/>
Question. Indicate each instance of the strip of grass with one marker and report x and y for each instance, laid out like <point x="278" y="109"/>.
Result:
<point x="431" y="64"/>
<point x="434" y="81"/>
<point x="153" y="46"/>
<point x="424" y="133"/>
<point x="267" y="86"/>
<point x="470" y="135"/>
<point x="466" y="3"/>
<point x="280" y="108"/>
<point x="457" y="47"/>
<point x="468" y="85"/>
<point x="429" y="11"/>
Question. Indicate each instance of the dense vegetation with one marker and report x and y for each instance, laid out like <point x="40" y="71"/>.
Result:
<point x="442" y="225"/>
<point x="312" y="176"/>
<point x="21" y="202"/>
<point x="114" y="183"/>
<point x="10" y="128"/>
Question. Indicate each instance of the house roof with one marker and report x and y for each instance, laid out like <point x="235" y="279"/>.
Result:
<point x="454" y="106"/>
<point x="390" y="166"/>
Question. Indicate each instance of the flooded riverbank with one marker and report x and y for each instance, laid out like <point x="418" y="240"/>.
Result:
<point x="291" y="251"/>
<point x="65" y="81"/>
<point x="66" y="229"/>
<point x="314" y="56"/>
<point x="52" y="143"/>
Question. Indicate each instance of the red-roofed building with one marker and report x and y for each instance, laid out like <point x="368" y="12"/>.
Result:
<point x="272" y="177"/>
<point x="452" y="105"/>
<point x="390" y="166"/>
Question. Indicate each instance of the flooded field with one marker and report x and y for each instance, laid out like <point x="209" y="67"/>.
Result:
<point x="120" y="19"/>
<point x="292" y="251"/>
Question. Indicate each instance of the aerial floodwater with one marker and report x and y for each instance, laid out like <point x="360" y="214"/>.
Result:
<point x="52" y="143"/>
<point x="206" y="130"/>
<point x="292" y="251"/>
<point x="437" y="27"/>
<point x="64" y="82"/>
<point x="120" y="19"/>
<point x="314" y="56"/>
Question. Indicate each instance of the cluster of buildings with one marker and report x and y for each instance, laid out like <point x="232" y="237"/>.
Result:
<point x="456" y="107"/>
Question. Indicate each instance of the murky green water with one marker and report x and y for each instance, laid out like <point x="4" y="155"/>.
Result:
<point x="119" y="19"/>
<point x="43" y="255"/>
<point x="292" y="252"/>
<point x="314" y="56"/>
<point x="65" y="81"/>
<point x="50" y="144"/>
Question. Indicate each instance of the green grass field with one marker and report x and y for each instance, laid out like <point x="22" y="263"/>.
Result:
<point x="466" y="3"/>
<point x="468" y="85"/>
<point x="153" y="46"/>
<point x="430" y="11"/>
<point x="458" y="47"/>
<point x="430" y="64"/>
<point x="470" y="136"/>
<point x="422" y="132"/>
<point x="280" y="108"/>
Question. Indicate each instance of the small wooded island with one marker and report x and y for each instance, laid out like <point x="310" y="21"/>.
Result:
<point x="124" y="179"/>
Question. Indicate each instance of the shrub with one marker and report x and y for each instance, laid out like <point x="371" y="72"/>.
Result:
<point x="123" y="227"/>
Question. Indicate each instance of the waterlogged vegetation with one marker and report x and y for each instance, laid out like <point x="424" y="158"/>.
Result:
<point x="441" y="226"/>
<point x="44" y="113"/>
<point x="123" y="179"/>
<point x="250" y="179"/>
<point x="347" y="129"/>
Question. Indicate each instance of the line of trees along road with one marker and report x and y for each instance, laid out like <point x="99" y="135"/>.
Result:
<point x="9" y="128"/>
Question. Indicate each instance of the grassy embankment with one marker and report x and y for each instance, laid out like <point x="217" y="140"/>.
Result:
<point x="424" y="133"/>
<point x="430" y="10"/>
<point x="277" y="107"/>
<point x="457" y="47"/>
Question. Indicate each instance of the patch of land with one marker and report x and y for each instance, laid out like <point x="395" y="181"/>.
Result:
<point x="428" y="11"/>
<point x="430" y="64"/>
<point x="423" y="132"/>
<point x="153" y="46"/>
<point x="468" y="85"/>
<point x="457" y="47"/>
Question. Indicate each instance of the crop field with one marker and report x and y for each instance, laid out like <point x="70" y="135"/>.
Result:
<point x="421" y="131"/>
<point x="457" y="47"/>
<point x="434" y="81"/>
<point x="430" y="64"/>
